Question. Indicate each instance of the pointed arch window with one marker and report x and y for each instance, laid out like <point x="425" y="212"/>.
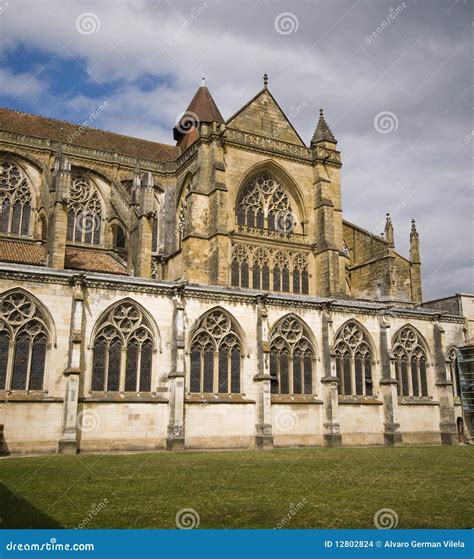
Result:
<point x="123" y="351"/>
<point x="240" y="266"/>
<point x="354" y="360"/>
<point x="261" y="269"/>
<point x="84" y="218"/>
<point x="24" y="340"/>
<point x="264" y="204"/>
<point x="410" y="363"/>
<point x="291" y="358"/>
<point x="15" y="200"/>
<point x="216" y="356"/>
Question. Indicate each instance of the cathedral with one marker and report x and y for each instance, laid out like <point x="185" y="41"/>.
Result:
<point x="207" y="294"/>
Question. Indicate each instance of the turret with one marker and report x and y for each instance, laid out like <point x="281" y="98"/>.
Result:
<point x="329" y="243"/>
<point x="415" y="264"/>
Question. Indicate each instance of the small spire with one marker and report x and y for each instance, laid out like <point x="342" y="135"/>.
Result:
<point x="413" y="232"/>
<point x="203" y="80"/>
<point x="322" y="133"/>
<point x="388" y="233"/>
<point x="265" y="81"/>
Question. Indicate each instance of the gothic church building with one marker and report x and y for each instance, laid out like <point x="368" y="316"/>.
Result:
<point x="207" y="294"/>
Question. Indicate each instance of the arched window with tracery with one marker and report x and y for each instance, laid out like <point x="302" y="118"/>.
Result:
<point x="281" y="271"/>
<point x="264" y="204"/>
<point x="15" y="200"/>
<point x="291" y="357"/>
<point x="300" y="274"/>
<point x="216" y="355"/>
<point x="454" y="372"/>
<point x="123" y="351"/>
<point x="261" y="269"/>
<point x="84" y="218"/>
<point x="239" y="270"/>
<point x="410" y="363"/>
<point x="24" y="340"/>
<point x="354" y="360"/>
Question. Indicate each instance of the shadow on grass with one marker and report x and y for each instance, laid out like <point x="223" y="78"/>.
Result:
<point x="18" y="513"/>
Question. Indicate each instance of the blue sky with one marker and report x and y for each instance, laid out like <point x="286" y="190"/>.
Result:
<point x="403" y="65"/>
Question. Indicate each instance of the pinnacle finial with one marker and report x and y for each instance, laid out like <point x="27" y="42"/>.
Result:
<point x="265" y="80"/>
<point x="388" y="218"/>
<point x="321" y="112"/>
<point x="203" y="80"/>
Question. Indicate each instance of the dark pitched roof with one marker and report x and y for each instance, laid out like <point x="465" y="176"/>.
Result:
<point x="77" y="258"/>
<point x="323" y="132"/>
<point x="204" y="106"/>
<point x="90" y="260"/>
<point x="22" y="252"/>
<point x="68" y="133"/>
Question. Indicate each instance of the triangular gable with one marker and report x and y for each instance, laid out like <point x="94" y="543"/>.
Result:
<point x="262" y="115"/>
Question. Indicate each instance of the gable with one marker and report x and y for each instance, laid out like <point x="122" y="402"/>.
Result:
<point x="262" y="115"/>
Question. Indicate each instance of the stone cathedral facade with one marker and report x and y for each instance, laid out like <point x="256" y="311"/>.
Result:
<point x="207" y="294"/>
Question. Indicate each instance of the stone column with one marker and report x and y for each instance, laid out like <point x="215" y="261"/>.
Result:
<point x="68" y="441"/>
<point x="388" y="387"/>
<point x="331" y="428"/>
<point x="175" y="439"/>
<point x="263" y="426"/>
<point x="57" y="231"/>
<point x="444" y="387"/>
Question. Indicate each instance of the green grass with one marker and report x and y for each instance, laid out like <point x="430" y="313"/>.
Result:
<point x="428" y="487"/>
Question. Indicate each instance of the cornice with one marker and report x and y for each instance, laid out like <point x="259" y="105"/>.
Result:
<point x="134" y="285"/>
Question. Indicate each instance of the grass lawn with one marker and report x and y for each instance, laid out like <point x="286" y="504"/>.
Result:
<point x="427" y="487"/>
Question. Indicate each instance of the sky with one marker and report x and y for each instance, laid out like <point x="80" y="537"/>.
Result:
<point x="394" y="79"/>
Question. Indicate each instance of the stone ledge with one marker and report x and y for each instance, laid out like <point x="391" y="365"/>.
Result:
<point x="297" y="399"/>
<point x="417" y="402"/>
<point x="119" y="399"/>
<point x="204" y="399"/>
<point x="359" y="400"/>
